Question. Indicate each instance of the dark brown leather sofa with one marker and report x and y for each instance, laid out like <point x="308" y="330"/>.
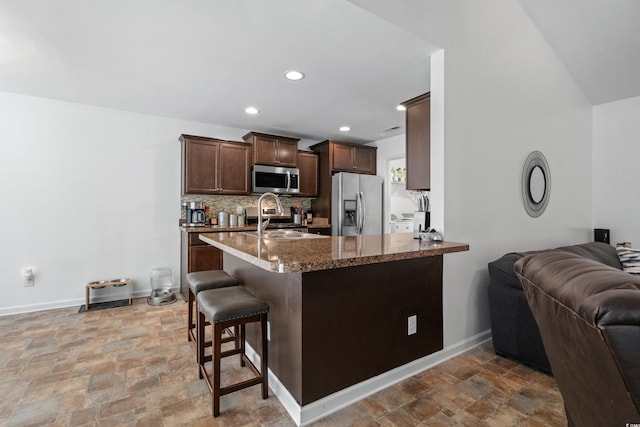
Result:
<point x="588" y="314"/>
<point x="514" y="331"/>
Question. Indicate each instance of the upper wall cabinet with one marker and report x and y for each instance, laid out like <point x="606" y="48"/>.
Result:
<point x="213" y="166"/>
<point x="418" y="143"/>
<point x="337" y="156"/>
<point x="308" y="165"/>
<point x="273" y="150"/>
<point x="348" y="157"/>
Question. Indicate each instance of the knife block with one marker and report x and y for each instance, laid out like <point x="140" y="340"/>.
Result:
<point x="421" y="221"/>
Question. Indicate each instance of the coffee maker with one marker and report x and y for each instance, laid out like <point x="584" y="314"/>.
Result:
<point x="194" y="214"/>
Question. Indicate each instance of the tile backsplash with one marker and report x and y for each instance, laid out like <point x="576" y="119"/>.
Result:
<point x="230" y="203"/>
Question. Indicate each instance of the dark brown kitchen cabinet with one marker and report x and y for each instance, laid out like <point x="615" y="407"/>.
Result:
<point x="273" y="150"/>
<point x="418" y="142"/>
<point x="196" y="255"/>
<point x="214" y="166"/>
<point x="346" y="157"/>
<point x="338" y="156"/>
<point x="308" y="165"/>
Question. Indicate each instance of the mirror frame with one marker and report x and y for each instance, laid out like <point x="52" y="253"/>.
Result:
<point x="535" y="160"/>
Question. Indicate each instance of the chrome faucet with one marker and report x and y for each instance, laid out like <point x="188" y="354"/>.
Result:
<point x="261" y="225"/>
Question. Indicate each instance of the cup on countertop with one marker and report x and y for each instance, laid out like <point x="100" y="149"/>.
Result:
<point x="233" y="220"/>
<point x="297" y="218"/>
<point x="240" y="220"/>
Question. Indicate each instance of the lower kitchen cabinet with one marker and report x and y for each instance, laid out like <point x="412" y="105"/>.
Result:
<point x="196" y="255"/>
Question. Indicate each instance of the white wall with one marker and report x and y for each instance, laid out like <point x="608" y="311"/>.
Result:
<point x="616" y="131"/>
<point x="87" y="193"/>
<point x="498" y="93"/>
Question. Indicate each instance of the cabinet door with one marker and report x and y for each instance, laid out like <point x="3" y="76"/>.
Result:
<point x="343" y="157"/>
<point x="264" y="150"/>
<point x="287" y="153"/>
<point x="234" y="166"/>
<point x="364" y="160"/>
<point x="200" y="167"/>
<point x="418" y="148"/>
<point x="204" y="257"/>
<point x="308" y="165"/>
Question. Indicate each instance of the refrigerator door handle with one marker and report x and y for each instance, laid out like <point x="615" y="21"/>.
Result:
<point x="358" y="211"/>
<point x="363" y="212"/>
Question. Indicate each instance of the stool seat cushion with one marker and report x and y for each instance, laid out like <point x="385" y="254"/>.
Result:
<point x="224" y="304"/>
<point x="210" y="279"/>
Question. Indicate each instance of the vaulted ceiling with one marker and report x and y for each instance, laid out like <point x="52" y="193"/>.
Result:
<point x="207" y="60"/>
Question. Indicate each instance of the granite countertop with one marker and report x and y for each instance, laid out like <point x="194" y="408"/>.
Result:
<point x="324" y="253"/>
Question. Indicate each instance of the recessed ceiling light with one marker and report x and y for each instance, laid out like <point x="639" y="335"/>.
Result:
<point x="251" y="110"/>
<point x="345" y="128"/>
<point x="294" y="75"/>
<point x="401" y="107"/>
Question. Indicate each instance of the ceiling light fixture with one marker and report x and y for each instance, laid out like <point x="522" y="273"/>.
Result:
<point x="293" y="75"/>
<point x="401" y="107"/>
<point x="345" y="128"/>
<point x="251" y="110"/>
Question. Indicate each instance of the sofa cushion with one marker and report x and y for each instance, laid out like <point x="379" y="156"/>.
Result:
<point x="585" y="307"/>
<point x="597" y="251"/>
<point x="630" y="260"/>
<point x="501" y="270"/>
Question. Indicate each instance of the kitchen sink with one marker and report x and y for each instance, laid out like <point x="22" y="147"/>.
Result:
<point x="285" y="235"/>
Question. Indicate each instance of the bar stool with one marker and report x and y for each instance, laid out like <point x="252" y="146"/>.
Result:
<point x="201" y="281"/>
<point x="224" y="308"/>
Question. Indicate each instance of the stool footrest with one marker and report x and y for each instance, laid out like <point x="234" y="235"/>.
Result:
<point x="240" y="386"/>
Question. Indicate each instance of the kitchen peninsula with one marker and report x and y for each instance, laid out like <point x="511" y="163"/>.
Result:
<point x="340" y="306"/>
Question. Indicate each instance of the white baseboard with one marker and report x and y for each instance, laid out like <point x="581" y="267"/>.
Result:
<point x="303" y="415"/>
<point x="6" y="311"/>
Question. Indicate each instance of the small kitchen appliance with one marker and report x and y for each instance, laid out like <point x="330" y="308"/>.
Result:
<point x="195" y="216"/>
<point x="275" y="179"/>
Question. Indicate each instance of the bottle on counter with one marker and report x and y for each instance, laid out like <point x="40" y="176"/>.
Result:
<point x="309" y="217"/>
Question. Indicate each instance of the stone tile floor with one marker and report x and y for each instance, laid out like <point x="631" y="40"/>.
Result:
<point x="132" y="366"/>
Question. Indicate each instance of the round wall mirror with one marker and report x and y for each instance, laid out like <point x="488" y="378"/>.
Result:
<point x="536" y="184"/>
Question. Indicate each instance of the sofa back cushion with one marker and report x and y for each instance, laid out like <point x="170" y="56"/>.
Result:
<point x="501" y="270"/>
<point x="589" y="319"/>
<point x="597" y="251"/>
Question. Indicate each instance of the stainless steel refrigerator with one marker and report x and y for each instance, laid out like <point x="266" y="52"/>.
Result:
<point x="356" y="204"/>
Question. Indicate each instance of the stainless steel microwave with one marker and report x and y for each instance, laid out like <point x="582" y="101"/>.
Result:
<point x="275" y="179"/>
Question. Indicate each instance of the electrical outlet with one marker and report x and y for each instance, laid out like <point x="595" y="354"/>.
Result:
<point x="28" y="275"/>
<point x="268" y="331"/>
<point x="412" y="325"/>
